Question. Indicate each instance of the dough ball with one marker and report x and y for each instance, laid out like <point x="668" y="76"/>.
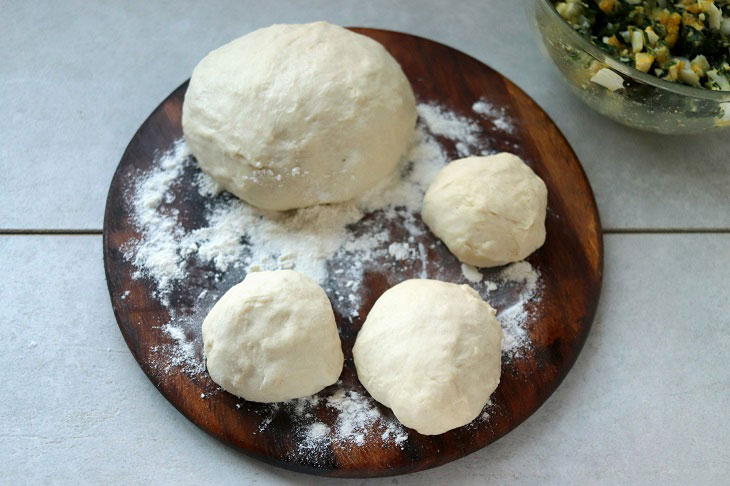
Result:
<point x="296" y="115"/>
<point x="273" y="337"/>
<point x="431" y="351"/>
<point x="489" y="211"/>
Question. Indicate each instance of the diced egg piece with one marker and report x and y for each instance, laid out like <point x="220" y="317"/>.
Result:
<point x="719" y="79"/>
<point x="673" y="72"/>
<point x="569" y="10"/>
<point x="608" y="79"/>
<point x="686" y="74"/>
<point x="713" y="12"/>
<point x="652" y="36"/>
<point x="662" y="54"/>
<point x="644" y="61"/>
<point x="725" y="26"/>
<point x="700" y="65"/>
<point x="637" y="41"/>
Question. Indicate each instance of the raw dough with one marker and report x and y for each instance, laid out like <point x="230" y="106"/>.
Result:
<point x="431" y="351"/>
<point x="296" y="115"/>
<point x="489" y="211"/>
<point x="273" y="337"/>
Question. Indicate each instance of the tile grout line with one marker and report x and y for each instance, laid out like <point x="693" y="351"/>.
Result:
<point x="49" y="232"/>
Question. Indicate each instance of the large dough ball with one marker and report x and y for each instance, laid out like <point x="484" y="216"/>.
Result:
<point x="431" y="351"/>
<point x="489" y="211"/>
<point x="296" y="115"/>
<point x="273" y="337"/>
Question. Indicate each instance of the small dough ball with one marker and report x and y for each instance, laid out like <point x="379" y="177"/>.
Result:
<point x="272" y="338"/>
<point x="431" y="351"/>
<point x="296" y="115"/>
<point x="489" y="211"/>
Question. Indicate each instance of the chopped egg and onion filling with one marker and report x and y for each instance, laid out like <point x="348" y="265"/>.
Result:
<point x="684" y="41"/>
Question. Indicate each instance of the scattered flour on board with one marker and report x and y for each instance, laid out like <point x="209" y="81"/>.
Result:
<point x="206" y="185"/>
<point x="322" y="242"/>
<point x="357" y="418"/>
<point x="526" y="281"/>
<point x="460" y="129"/>
<point x="156" y="255"/>
<point x="484" y="416"/>
<point x="239" y="235"/>
<point x="183" y="353"/>
<point x="401" y="251"/>
<point x="496" y="115"/>
<point x="522" y="281"/>
<point x="448" y="124"/>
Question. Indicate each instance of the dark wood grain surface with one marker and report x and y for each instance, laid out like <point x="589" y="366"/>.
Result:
<point x="570" y="264"/>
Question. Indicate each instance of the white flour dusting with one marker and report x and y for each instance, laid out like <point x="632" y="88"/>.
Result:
<point x="358" y="420"/>
<point x="206" y="185"/>
<point x="496" y="115"/>
<point x="401" y="251"/>
<point x="317" y="430"/>
<point x="356" y="415"/>
<point x="526" y="280"/>
<point x="484" y="416"/>
<point x="459" y="129"/>
<point x="240" y="235"/>
<point x="156" y="255"/>
<point x="448" y="124"/>
<point x="183" y="353"/>
<point x="323" y="242"/>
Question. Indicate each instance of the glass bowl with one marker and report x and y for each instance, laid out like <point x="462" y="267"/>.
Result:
<point x="644" y="101"/>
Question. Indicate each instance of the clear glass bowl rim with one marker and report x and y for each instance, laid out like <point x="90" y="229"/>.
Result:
<point x="594" y="51"/>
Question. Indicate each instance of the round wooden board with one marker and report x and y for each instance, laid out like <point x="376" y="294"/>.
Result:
<point x="570" y="264"/>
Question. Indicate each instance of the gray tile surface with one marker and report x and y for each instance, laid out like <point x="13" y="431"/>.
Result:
<point x="77" y="78"/>
<point x="647" y="400"/>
